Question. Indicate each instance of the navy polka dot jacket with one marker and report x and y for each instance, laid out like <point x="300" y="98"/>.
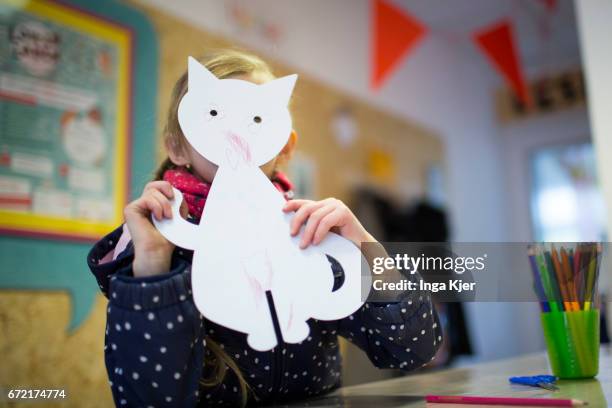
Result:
<point x="155" y="341"/>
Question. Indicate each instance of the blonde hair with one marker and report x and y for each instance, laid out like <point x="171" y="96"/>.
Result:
<point x="226" y="63"/>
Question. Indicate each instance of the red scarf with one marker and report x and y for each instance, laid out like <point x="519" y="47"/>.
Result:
<point x="195" y="190"/>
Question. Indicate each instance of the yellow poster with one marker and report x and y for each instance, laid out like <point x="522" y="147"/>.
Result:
<point x="65" y="80"/>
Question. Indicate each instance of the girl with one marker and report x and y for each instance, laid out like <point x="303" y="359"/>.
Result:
<point x="160" y="351"/>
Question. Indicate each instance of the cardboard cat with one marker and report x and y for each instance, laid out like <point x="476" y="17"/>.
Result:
<point x="243" y="251"/>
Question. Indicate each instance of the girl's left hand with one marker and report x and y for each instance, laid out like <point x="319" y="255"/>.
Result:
<point x="323" y="216"/>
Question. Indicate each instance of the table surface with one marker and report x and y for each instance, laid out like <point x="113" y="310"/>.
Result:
<point x="484" y="379"/>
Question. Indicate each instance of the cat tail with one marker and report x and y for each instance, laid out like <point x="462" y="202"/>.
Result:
<point x="177" y="230"/>
<point x="349" y="297"/>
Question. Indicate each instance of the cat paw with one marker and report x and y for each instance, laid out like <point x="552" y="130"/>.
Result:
<point x="296" y="332"/>
<point x="262" y="341"/>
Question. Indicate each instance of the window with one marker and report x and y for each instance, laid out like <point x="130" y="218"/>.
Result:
<point x="566" y="203"/>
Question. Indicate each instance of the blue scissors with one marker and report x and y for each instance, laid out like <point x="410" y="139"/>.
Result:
<point x="543" y="381"/>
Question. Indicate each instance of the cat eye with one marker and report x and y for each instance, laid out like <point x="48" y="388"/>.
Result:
<point x="213" y="112"/>
<point x="257" y="119"/>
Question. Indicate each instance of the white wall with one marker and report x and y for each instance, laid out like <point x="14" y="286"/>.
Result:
<point x="595" y="29"/>
<point x="446" y="85"/>
<point x="520" y="140"/>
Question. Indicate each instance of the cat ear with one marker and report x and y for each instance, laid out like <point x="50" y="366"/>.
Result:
<point x="197" y="74"/>
<point x="280" y="89"/>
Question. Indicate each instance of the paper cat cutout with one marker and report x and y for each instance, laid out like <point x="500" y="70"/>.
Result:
<point x="242" y="246"/>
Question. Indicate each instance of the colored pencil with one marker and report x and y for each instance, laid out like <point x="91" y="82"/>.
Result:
<point x="554" y="283"/>
<point x="546" y="283"/>
<point x="513" y="401"/>
<point x="537" y="282"/>
<point x="566" y="266"/>
<point x="594" y="290"/>
<point x="560" y="278"/>
<point x="577" y="272"/>
<point x="591" y="276"/>
<point x="566" y="279"/>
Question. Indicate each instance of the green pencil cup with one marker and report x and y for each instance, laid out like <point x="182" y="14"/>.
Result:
<point x="572" y="340"/>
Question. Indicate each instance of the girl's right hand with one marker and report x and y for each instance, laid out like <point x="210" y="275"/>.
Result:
<point x="152" y="252"/>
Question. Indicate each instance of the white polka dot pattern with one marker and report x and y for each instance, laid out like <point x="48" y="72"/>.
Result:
<point x="155" y="342"/>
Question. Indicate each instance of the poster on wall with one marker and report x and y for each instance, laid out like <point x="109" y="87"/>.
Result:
<point x="65" y="80"/>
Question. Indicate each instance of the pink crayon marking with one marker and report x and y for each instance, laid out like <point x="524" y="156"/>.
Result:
<point x="240" y="146"/>
<point x="256" y="289"/>
<point x="290" y="320"/>
<point x="262" y="283"/>
<point x="268" y="282"/>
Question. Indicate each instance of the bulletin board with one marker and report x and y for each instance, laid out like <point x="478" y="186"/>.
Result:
<point x="56" y="339"/>
<point x="65" y="81"/>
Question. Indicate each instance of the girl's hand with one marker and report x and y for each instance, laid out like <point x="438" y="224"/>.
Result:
<point x="152" y="252"/>
<point x="323" y="216"/>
